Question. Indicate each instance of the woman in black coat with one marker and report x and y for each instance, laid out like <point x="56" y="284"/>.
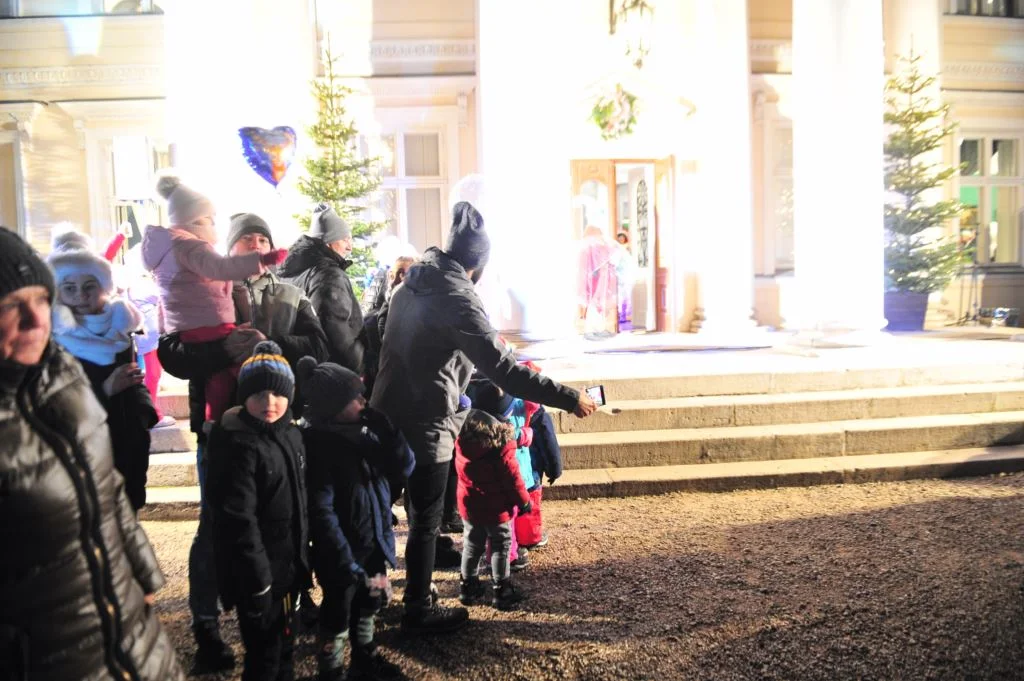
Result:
<point x="77" y="573"/>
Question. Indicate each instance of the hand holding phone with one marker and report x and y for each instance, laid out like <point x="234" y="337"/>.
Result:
<point x="596" y="393"/>
<point x="137" y="356"/>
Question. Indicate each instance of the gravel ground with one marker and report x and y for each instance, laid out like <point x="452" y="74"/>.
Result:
<point x="915" y="580"/>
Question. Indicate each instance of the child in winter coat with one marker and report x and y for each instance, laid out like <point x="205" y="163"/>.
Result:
<point x="195" y="282"/>
<point x="256" y="488"/>
<point x="546" y="459"/>
<point x="488" y="397"/>
<point x="96" y="327"/>
<point x="490" y="488"/>
<point x="358" y="462"/>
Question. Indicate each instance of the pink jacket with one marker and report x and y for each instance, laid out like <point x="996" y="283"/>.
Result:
<point x="195" y="281"/>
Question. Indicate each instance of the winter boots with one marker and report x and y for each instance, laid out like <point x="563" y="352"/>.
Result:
<point x="212" y="654"/>
<point x="506" y="595"/>
<point x="471" y="591"/>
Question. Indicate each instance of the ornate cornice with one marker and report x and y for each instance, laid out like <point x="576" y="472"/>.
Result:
<point x="23" y="114"/>
<point x="986" y="72"/>
<point x="77" y="76"/>
<point x="422" y="50"/>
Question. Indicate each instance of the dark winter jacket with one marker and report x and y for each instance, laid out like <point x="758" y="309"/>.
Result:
<point x="545" y="453"/>
<point x="320" y="272"/>
<point x="490" y="485"/>
<point x="355" y="472"/>
<point x="256" y="489"/>
<point x="130" y="415"/>
<point x="75" y="564"/>
<point x="276" y="308"/>
<point x="436" y="332"/>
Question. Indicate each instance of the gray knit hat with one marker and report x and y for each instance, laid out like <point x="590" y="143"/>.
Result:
<point x="248" y="223"/>
<point x="327" y="225"/>
<point x="326" y="389"/>
<point x="184" y="205"/>
<point x="21" y="266"/>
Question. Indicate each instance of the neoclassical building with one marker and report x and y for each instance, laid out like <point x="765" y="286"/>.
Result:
<point x="750" y="181"/>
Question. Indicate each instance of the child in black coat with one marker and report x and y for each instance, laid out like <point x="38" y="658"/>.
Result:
<point x="256" y="489"/>
<point x="96" y="326"/>
<point x="358" y="462"/>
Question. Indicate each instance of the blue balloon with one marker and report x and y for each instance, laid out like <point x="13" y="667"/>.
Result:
<point x="269" y="152"/>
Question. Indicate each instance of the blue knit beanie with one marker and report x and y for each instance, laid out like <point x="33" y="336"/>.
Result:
<point x="266" y="369"/>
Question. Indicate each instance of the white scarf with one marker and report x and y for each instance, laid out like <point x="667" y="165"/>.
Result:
<point x="96" y="338"/>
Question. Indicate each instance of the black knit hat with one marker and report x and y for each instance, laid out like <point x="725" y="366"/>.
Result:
<point x="247" y="223"/>
<point x="21" y="265"/>
<point x="266" y="369"/>
<point x="326" y="389"/>
<point x="468" y="243"/>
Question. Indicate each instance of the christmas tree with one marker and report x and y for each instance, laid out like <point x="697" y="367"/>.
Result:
<point x="339" y="174"/>
<point x="918" y="258"/>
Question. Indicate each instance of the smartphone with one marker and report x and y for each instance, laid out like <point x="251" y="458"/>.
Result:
<point x="596" y="393"/>
<point x="140" y="359"/>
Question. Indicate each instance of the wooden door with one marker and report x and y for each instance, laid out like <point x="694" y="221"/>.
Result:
<point x="664" y="204"/>
<point x="595" y="179"/>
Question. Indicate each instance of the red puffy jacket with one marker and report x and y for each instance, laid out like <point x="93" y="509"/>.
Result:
<point x="490" y="486"/>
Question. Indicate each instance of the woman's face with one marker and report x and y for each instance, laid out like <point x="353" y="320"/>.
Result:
<point x="82" y="293"/>
<point x="24" y="325"/>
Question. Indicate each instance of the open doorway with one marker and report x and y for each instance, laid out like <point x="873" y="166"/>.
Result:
<point x="626" y="206"/>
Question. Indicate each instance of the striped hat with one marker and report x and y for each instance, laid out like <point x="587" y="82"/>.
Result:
<point x="266" y="369"/>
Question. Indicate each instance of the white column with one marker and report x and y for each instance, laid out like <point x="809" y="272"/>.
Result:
<point x="523" y="157"/>
<point x="838" y="82"/>
<point x="725" y="237"/>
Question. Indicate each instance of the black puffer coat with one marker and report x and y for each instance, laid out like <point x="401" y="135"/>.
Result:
<point x="320" y="272"/>
<point x="74" y="563"/>
<point x="436" y="332"/>
<point x="256" y="487"/>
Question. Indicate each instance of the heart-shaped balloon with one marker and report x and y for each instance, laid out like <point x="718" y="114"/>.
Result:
<point x="269" y="152"/>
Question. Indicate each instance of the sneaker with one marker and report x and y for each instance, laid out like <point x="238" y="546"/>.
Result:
<point x="539" y="545"/>
<point x="434" y="620"/>
<point x="522" y="561"/>
<point x="212" y="654"/>
<point x="506" y="595"/>
<point x="471" y="591"/>
<point x="369" y="663"/>
<point x="166" y="422"/>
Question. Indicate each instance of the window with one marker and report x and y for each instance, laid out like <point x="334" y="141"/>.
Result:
<point x="989" y="8"/>
<point x="71" y="8"/>
<point x="134" y="160"/>
<point x="991" y="184"/>
<point x="412" y="198"/>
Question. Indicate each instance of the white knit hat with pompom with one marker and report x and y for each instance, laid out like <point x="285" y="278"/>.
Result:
<point x="184" y="205"/>
<point x="72" y="253"/>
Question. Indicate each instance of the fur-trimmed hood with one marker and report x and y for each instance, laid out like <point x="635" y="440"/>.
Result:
<point x="482" y="434"/>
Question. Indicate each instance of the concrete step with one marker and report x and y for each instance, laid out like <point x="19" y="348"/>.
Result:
<point x="805" y="407"/>
<point x="835" y="470"/>
<point x="174" y="439"/>
<point x="627" y="449"/>
<point x="794" y="380"/>
<point x="172" y="469"/>
<point x="182" y="503"/>
<point x="174" y="401"/>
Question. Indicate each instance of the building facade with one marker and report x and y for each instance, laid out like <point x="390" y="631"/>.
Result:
<point x="749" y="183"/>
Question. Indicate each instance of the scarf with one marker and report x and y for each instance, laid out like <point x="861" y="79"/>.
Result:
<point x="97" y="338"/>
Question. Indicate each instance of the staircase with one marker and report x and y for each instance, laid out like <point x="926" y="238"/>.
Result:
<point x="744" y="429"/>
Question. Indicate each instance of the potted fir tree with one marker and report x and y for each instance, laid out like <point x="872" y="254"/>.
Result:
<point x="919" y="258"/>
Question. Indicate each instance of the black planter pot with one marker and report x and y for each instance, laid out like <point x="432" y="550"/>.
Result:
<point x="905" y="311"/>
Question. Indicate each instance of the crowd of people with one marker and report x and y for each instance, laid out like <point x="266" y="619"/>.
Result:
<point x="312" y="422"/>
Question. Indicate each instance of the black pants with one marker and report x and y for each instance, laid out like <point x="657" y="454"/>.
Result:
<point x="426" y="506"/>
<point x="269" y="644"/>
<point x="343" y="606"/>
<point x="451" y="495"/>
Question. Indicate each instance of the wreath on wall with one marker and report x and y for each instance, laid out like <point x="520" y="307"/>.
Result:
<point x="615" y="115"/>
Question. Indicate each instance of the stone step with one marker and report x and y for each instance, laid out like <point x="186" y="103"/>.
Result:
<point x="174" y="439"/>
<point x="832" y="470"/>
<point x="794" y="380"/>
<point x="806" y="407"/>
<point x="182" y="503"/>
<point x="627" y="449"/>
<point x="174" y="402"/>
